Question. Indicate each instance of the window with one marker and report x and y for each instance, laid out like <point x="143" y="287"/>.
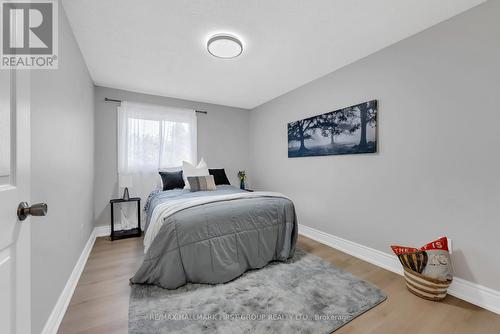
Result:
<point x="154" y="137"/>
<point x="151" y="138"/>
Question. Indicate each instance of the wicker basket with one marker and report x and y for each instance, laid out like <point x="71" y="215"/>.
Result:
<point x="426" y="287"/>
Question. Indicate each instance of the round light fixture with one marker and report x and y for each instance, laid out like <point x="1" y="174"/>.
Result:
<point x="224" y="46"/>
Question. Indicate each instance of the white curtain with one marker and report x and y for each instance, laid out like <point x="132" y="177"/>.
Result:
<point x="151" y="138"/>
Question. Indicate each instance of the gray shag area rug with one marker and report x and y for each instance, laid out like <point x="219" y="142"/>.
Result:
<point x="303" y="295"/>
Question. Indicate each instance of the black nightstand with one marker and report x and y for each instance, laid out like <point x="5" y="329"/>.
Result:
<point x="133" y="232"/>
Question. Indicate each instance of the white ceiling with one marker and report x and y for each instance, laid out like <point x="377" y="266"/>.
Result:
<point x="159" y="46"/>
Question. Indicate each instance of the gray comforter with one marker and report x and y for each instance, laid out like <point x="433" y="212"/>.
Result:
<point x="217" y="242"/>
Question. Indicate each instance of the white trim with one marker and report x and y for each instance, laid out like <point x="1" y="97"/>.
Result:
<point x="460" y="288"/>
<point x="376" y="257"/>
<point x="476" y="294"/>
<point x="57" y="314"/>
<point x="102" y="231"/>
<point x="473" y="293"/>
<point x="105" y="230"/>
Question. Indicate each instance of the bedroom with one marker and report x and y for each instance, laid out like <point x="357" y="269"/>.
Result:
<point x="347" y="123"/>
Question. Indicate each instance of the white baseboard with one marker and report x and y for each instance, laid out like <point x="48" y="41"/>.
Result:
<point x="476" y="294"/>
<point x="473" y="293"/>
<point x="102" y="231"/>
<point x="105" y="230"/>
<point x="57" y="314"/>
<point x="381" y="259"/>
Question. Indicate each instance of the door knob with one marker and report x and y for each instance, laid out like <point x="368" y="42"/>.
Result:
<point x="24" y="210"/>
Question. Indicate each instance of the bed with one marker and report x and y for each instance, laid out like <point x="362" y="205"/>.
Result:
<point x="213" y="236"/>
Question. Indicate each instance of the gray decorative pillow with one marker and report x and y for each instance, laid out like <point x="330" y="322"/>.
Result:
<point x="201" y="183"/>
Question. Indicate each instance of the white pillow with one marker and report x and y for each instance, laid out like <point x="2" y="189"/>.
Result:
<point x="190" y="170"/>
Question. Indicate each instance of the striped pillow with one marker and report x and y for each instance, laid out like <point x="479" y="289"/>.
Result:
<point x="201" y="183"/>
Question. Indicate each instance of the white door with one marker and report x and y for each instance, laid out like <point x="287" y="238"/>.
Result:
<point x="15" y="235"/>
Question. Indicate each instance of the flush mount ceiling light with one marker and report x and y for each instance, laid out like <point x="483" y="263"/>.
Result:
<point x="224" y="46"/>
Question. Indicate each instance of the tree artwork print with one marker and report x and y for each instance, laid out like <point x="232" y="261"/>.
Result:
<point x="351" y="130"/>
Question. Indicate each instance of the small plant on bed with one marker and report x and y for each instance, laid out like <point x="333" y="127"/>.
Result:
<point x="242" y="175"/>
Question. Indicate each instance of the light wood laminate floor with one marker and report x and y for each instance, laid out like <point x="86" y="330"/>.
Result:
<point x="100" y="302"/>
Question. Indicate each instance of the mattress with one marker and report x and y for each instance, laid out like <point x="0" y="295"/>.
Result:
<point x="214" y="236"/>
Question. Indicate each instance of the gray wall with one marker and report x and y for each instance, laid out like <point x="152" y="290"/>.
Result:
<point x="436" y="172"/>
<point x="222" y="141"/>
<point x="62" y="123"/>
